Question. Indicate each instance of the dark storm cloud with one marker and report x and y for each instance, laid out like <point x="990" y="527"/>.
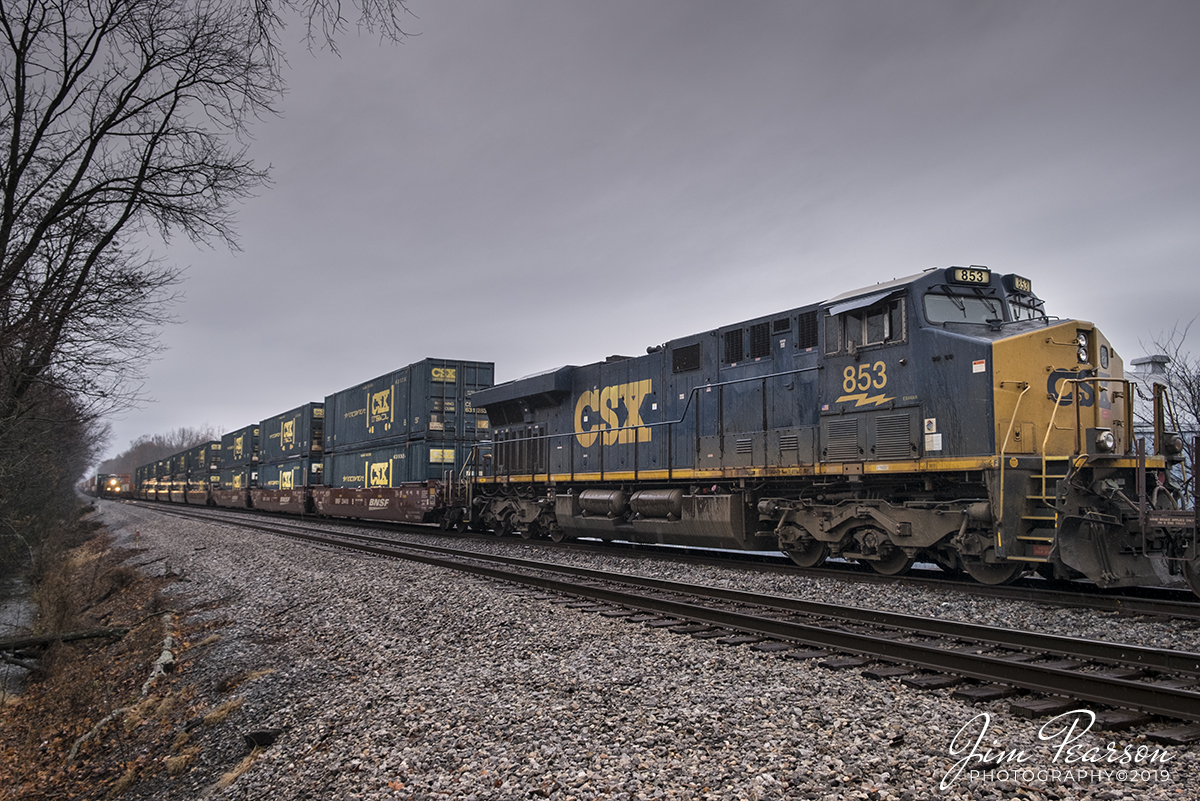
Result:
<point x="539" y="183"/>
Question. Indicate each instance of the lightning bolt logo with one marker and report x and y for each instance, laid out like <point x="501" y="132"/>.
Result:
<point x="861" y="399"/>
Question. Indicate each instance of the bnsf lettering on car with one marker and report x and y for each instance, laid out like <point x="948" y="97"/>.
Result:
<point x="606" y="403"/>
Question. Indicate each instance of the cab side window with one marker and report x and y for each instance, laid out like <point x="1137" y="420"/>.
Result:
<point x="879" y="324"/>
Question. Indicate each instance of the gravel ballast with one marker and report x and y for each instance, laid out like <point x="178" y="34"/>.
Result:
<point x="390" y="679"/>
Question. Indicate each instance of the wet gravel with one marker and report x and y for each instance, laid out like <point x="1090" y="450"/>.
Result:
<point x="390" y="679"/>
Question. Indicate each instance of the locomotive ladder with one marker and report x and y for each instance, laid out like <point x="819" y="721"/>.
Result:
<point x="1040" y="514"/>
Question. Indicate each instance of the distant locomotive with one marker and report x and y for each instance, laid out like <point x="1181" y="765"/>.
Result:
<point x="110" y="485"/>
<point x="941" y="416"/>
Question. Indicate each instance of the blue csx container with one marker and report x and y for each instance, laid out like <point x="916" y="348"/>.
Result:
<point x="429" y="400"/>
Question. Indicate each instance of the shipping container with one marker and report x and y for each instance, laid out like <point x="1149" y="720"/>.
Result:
<point x="298" y="433"/>
<point x="394" y="465"/>
<point x="430" y="399"/>
<point x="240" y="448"/>
<point x="202" y="466"/>
<point x="235" y="485"/>
<point x="290" y="473"/>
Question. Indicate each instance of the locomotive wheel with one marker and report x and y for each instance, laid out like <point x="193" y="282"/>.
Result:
<point x="894" y="564"/>
<point x="808" y="554"/>
<point x="993" y="572"/>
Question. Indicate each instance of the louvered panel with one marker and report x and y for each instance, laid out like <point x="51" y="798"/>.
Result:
<point x="893" y="437"/>
<point x="842" y="440"/>
<point x="789" y="442"/>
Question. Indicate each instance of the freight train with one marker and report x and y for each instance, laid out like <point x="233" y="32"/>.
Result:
<point x="112" y="486"/>
<point x="943" y="417"/>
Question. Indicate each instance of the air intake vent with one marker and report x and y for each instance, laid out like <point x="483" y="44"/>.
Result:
<point x="734" y="350"/>
<point x="842" y="441"/>
<point x="893" y="437"/>
<point x="789" y="442"/>
<point x="745" y="446"/>
<point x="760" y="340"/>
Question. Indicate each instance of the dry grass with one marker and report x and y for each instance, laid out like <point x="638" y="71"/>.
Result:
<point x="238" y="679"/>
<point x="138" y="713"/>
<point x="243" y="766"/>
<point x="209" y="640"/>
<point x="178" y="764"/>
<point x="124" y="783"/>
<point x="219" y="714"/>
<point x="166" y="705"/>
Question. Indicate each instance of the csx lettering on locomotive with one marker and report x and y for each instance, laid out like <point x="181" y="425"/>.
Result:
<point x="599" y="410"/>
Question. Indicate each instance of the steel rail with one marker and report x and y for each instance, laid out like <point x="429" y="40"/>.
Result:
<point x="1157" y="699"/>
<point x="1087" y="597"/>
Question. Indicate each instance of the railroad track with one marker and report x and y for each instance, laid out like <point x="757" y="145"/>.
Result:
<point x="1128" y="601"/>
<point x="985" y="662"/>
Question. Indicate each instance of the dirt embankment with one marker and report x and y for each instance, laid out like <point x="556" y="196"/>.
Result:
<point x="99" y="717"/>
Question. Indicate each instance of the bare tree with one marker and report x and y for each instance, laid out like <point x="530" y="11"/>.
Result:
<point x="121" y="119"/>
<point x="122" y="123"/>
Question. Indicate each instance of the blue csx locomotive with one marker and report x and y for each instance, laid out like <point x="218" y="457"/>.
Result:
<point x="943" y="416"/>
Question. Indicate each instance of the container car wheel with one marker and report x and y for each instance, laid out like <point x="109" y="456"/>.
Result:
<point x="993" y="572"/>
<point x="893" y="564"/>
<point x="808" y="554"/>
<point x="1191" y="572"/>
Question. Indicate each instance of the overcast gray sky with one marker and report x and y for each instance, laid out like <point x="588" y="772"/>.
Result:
<point x="546" y="183"/>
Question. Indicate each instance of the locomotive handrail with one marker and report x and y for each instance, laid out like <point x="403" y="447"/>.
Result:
<point x="1004" y="445"/>
<point x="1058" y="403"/>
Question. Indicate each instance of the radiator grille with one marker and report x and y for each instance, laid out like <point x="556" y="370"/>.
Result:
<point x="789" y="442"/>
<point x="745" y="446"/>
<point x="842" y="444"/>
<point x="893" y="437"/>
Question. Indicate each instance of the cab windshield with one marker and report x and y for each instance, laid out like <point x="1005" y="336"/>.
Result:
<point x="951" y="308"/>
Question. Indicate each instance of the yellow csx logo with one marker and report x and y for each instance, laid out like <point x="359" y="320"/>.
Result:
<point x="289" y="433"/>
<point x="237" y="447"/>
<point x="603" y="409"/>
<point x="381" y="405"/>
<point x="286" y="481"/>
<point x="444" y="374"/>
<point x="380" y="474"/>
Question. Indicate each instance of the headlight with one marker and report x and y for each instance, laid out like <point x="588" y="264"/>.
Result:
<point x="1173" y="444"/>
<point x="1083" y="352"/>
<point x="1105" y="441"/>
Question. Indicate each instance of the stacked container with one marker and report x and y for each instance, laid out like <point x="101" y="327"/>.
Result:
<point x="290" y="450"/>
<point x="202" y="472"/>
<point x="407" y="427"/>
<point x="239" y="467"/>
